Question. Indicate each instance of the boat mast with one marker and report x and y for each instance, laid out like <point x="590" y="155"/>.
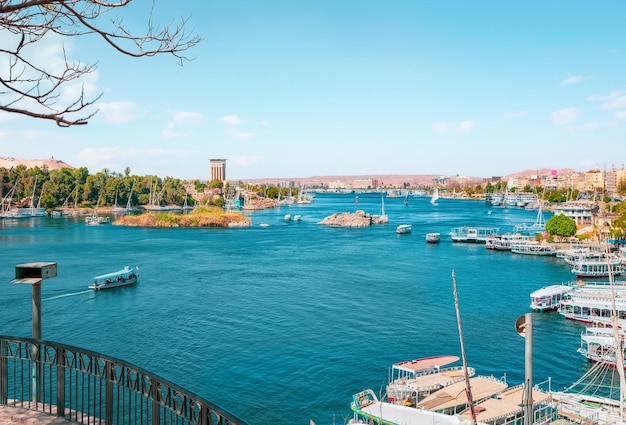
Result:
<point x="468" y="388"/>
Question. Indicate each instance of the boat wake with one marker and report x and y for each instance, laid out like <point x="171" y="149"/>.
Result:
<point x="67" y="295"/>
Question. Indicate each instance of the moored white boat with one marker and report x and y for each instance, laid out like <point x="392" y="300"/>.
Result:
<point x="96" y="220"/>
<point x="548" y="297"/>
<point x="597" y="343"/>
<point x="411" y="381"/>
<point x="588" y="307"/>
<point x="433" y="237"/>
<point x="597" y="268"/>
<point x="126" y="276"/>
<point x="533" y="248"/>
<point x="505" y="241"/>
<point x="473" y="234"/>
<point x="504" y="407"/>
<point x="404" y="229"/>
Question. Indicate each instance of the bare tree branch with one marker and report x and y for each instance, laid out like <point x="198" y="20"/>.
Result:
<point x="35" y="89"/>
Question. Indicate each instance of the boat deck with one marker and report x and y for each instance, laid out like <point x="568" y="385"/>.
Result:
<point x="456" y="394"/>
<point x="506" y="404"/>
<point x="435" y="380"/>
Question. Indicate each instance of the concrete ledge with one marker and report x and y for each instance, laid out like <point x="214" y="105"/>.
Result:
<point x="19" y="415"/>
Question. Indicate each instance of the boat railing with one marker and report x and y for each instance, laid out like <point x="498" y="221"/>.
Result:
<point x="89" y="388"/>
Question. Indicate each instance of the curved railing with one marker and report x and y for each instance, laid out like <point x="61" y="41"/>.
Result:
<point x="89" y="388"/>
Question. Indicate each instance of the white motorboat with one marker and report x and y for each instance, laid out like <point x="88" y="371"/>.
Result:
<point x="433" y="237"/>
<point x="126" y="276"/>
<point x="404" y="229"/>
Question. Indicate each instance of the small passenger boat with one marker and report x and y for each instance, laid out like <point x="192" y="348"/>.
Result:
<point x="473" y="234"/>
<point x="297" y="217"/>
<point x="533" y="248"/>
<point x="433" y="237"/>
<point x="126" y="276"/>
<point x="548" y="297"/>
<point x="404" y="229"/>
<point x="287" y="217"/>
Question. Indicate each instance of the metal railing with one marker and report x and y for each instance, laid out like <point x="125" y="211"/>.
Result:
<point x="89" y="388"/>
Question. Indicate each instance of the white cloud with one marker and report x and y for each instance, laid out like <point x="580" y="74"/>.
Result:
<point x="463" y="127"/>
<point x="518" y="114"/>
<point x="613" y="102"/>
<point x="231" y="120"/>
<point x="245" y="160"/>
<point x="574" y="80"/>
<point x="597" y="124"/>
<point x="621" y="115"/>
<point x="112" y="157"/>
<point x="119" y="112"/>
<point x="565" y="116"/>
<point x="265" y="123"/>
<point x="241" y="134"/>
<point x="184" y="119"/>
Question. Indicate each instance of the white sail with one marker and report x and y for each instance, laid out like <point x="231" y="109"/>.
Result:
<point x="435" y="196"/>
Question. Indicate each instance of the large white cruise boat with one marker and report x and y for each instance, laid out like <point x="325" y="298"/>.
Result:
<point x="592" y="304"/>
<point x="598" y="268"/>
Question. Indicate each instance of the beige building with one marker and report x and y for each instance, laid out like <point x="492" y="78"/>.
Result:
<point x="365" y="184"/>
<point x="218" y="169"/>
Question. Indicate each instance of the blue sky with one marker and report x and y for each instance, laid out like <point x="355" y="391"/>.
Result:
<point x="306" y="88"/>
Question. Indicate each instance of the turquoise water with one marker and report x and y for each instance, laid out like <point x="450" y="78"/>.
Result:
<point x="282" y="324"/>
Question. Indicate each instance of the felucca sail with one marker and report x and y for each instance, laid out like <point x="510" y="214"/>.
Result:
<point x="435" y="197"/>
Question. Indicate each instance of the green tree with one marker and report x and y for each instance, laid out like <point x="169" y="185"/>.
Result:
<point x="561" y="225"/>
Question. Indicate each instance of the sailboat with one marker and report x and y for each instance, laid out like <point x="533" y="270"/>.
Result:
<point x="116" y="208"/>
<point x="382" y="218"/>
<point x="538" y="226"/>
<point x="129" y="202"/>
<point x="94" y="219"/>
<point x="6" y="211"/>
<point x="435" y="197"/>
<point x="37" y="211"/>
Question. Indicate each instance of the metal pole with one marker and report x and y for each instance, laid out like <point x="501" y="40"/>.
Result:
<point x="528" y="390"/>
<point x="37" y="310"/>
<point x="36" y="372"/>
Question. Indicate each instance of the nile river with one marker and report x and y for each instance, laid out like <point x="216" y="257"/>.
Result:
<point x="282" y="324"/>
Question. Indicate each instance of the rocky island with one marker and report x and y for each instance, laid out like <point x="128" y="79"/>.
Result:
<point x="357" y="219"/>
<point x="200" y="217"/>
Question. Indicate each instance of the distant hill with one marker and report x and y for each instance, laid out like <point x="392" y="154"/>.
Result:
<point x="386" y="179"/>
<point x="542" y="172"/>
<point x="51" y="163"/>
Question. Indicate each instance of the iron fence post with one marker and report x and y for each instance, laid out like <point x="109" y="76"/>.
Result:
<point x="60" y="382"/>
<point x="4" y="373"/>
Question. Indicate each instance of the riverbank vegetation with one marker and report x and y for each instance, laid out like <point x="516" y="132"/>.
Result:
<point x="200" y="217"/>
<point x="77" y="188"/>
